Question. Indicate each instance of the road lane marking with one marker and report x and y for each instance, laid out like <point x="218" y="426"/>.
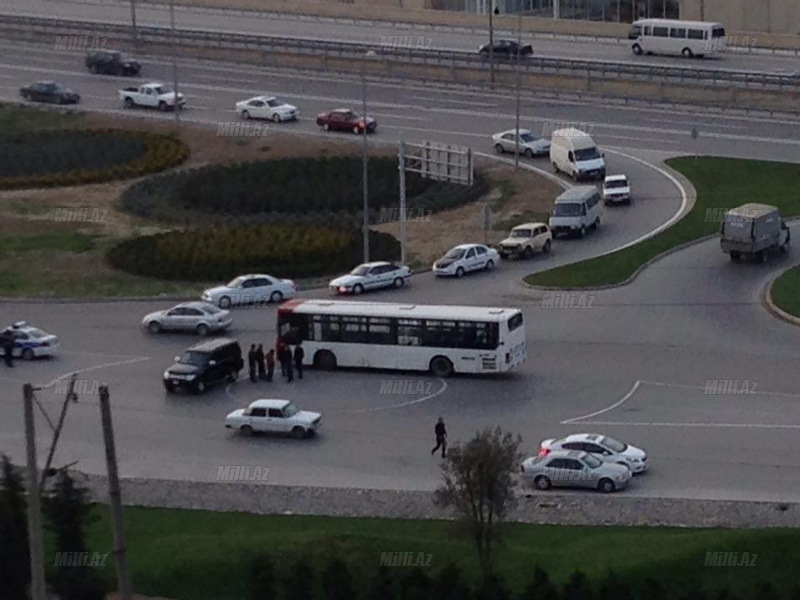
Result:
<point x="425" y="398"/>
<point x="702" y="387"/>
<point x="617" y="404"/>
<point x="710" y="425"/>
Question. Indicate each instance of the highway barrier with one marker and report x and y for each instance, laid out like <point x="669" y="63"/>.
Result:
<point x="698" y="86"/>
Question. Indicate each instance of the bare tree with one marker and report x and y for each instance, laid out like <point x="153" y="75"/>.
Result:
<point x="479" y="485"/>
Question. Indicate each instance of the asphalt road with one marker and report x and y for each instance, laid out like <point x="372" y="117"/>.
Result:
<point x="690" y="318"/>
<point x="375" y="33"/>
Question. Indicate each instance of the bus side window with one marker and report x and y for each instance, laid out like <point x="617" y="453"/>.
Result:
<point x="331" y="329"/>
<point x="381" y="331"/>
<point x="409" y="332"/>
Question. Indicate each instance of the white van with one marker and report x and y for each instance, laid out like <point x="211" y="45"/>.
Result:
<point x="576" y="211"/>
<point x="574" y="153"/>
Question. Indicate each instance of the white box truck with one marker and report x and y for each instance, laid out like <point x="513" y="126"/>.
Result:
<point x="574" y="153"/>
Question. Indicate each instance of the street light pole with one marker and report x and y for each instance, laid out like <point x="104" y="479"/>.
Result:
<point x="519" y="83"/>
<point x="491" y="43"/>
<point x="365" y="163"/>
<point x="133" y="27"/>
<point x="176" y="106"/>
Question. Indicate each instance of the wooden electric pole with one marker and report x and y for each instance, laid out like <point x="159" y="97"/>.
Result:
<point x="38" y="590"/>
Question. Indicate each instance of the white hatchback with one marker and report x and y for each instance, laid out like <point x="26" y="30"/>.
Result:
<point x="601" y="446"/>
<point x="465" y="258"/>
<point x="250" y="289"/>
<point x="274" y="416"/>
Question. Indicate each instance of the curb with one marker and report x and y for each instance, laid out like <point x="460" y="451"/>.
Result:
<point x="772" y="308"/>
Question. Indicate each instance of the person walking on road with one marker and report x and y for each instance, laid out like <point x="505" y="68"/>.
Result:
<point x="280" y="350"/>
<point x="251" y="362"/>
<point x="441" y="437"/>
<point x="299" y="355"/>
<point x="270" y="359"/>
<point x="287" y="362"/>
<point x="8" y="347"/>
<point x="262" y="373"/>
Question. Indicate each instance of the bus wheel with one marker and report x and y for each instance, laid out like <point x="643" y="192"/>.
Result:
<point x="325" y="360"/>
<point x="687" y="53"/>
<point x="637" y="49"/>
<point x="441" y="367"/>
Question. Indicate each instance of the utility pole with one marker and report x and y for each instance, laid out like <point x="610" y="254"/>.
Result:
<point x="402" y="166"/>
<point x="134" y="32"/>
<point x="38" y="590"/>
<point x="70" y="396"/>
<point x="519" y="83"/>
<point x="176" y="107"/>
<point x="115" y="497"/>
<point x="491" y="43"/>
<point x="364" y="164"/>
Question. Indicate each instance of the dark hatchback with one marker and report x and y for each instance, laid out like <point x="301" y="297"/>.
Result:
<point x="204" y="365"/>
<point x="506" y="49"/>
<point x="111" y="62"/>
<point x="49" y="91"/>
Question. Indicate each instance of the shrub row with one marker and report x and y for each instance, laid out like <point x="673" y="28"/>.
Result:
<point x="288" y="187"/>
<point x="65" y="157"/>
<point x="224" y="252"/>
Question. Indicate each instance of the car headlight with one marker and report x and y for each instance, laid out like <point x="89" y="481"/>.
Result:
<point x="191" y="377"/>
<point x="166" y="374"/>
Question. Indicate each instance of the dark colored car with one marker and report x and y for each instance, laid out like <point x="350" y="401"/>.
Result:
<point x="344" y="119"/>
<point x="49" y="91"/>
<point x="204" y="365"/>
<point x="111" y="62"/>
<point x="506" y="49"/>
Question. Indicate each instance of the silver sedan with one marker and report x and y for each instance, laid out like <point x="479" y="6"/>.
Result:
<point x="560" y="468"/>
<point x="530" y="144"/>
<point x="200" y="317"/>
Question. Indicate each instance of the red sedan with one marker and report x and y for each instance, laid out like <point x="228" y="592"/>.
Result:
<point x="344" y="119"/>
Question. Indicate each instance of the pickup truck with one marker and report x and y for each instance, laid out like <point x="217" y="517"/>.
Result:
<point x="151" y="95"/>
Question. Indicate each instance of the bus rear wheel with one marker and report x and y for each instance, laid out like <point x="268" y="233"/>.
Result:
<point x="687" y="53"/>
<point x="637" y="49"/>
<point x="325" y="360"/>
<point x="441" y="367"/>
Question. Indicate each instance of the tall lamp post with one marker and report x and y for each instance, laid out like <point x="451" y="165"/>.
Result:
<point x="493" y="10"/>
<point x="519" y="82"/>
<point x="134" y="33"/>
<point x="365" y="158"/>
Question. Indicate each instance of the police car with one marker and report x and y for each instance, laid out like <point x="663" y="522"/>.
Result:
<point x="30" y="342"/>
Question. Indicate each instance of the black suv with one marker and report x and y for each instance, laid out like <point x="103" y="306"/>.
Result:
<point x="204" y="365"/>
<point x="110" y="62"/>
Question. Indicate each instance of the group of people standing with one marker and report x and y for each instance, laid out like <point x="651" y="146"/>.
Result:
<point x="262" y="366"/>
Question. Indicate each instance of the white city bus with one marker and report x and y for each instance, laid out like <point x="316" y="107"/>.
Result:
<point x="688" y="38"/>
<point x="440" y="339"/>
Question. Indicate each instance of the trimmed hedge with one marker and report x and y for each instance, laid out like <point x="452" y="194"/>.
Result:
<point x="75" y="157"/>
<point x="326" y="190"/>
<point x="222" y="253"/>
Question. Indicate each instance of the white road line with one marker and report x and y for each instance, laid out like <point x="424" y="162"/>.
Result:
<point x="438" y="392"/>
<point x="702" y="387"/>
<point x="617" y="404"/>
<point x="449" y="101"/>
<point x="637" y="139"/>
<point x="95" y="368"/>
<point x="396" y="116"/>
<point x="710" y="425"/>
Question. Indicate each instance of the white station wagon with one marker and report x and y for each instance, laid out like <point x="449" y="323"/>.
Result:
<point x="274" y="416"/>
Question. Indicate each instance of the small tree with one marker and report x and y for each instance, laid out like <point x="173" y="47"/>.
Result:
<point x="479" y="485"/>
<point x="337" y="583"/>
<point x="449" y="585"/>
<point x="541" y="588"/>
<point x="578" y="588"/>
<point x="15" y="572"/>
<point x="299" y="585"/>
<point x="382" y="587"/>
<point x="492" y="588"/>
<point x="613" y="589"/>
<point x="261" y="579"/>
<point x="416" y="585"/>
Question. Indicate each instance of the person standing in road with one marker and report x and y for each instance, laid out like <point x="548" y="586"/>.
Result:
<point x="270" y="359"/>
<point x="262" y="374"/>
<point x="441" y="437"/>
<point x="280" y="350"/>
<point x="299" y="355"/>
<point x="8" y="347"/>
<point x="287" y="363"/>
<point x="251" y="362"/>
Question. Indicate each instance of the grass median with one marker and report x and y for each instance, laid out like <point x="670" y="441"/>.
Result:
<point x="721" y="183"/>
<point x="786" y="292"/>
<point x="196" y="555"/>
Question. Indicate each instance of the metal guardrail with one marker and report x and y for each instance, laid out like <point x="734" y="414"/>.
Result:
<point x="701" y="77"/>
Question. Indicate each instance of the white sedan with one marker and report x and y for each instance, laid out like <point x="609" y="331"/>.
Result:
<point x="267" y="107"/>
<point x="30" y="342"/>
<point x="371" y="276"/>
<point x="274" y="416"/>
<point x="601" y="446"/>
<point x="465" y="258"/>
<point x="250" y="289"/>
<point x="530" y="144"/>
<point x="201" y="317"/>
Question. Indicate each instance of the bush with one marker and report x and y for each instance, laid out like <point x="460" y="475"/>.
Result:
<point x="224" y="252"/>
<point x="61" y="157"/>
<point x="289" y="190"/>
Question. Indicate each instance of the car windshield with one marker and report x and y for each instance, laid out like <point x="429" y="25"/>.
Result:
<point x="455" y="254"/>
<point x="235" y="282"/>
<point x="616" y="184"/>
<point x="290" y="410"/>
<point x="36" y="333"/>
<point x="587" y="154"/>
<point x="162" y="89"/>
<point x="274" y="102"/>
<point x="360" y="270"/>
<point x="529" y="137"/>
<point x="613" y="444"/>
<point x="197" y="359"/>
<point x="210" y="309"/>
<point x="592" y="461"/>
<point x="521" y="233"/>
<point x="568" y="209"/>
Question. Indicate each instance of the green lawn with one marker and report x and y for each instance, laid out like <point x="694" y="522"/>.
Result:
<point x="194" y="555"/>
<point x="786" y="291"/>
<point x="721" y="183"/>
<point x="17" y="118"/>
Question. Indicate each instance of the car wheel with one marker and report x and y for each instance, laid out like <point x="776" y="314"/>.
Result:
<point x="582" y="231"/>
<point x="298" y="433"/>
<point x="203" y="330"/>
<point x="154" y="327"/>
<point x="762" y="256"/>
<point x="93" y="69"/>
<point x="325" y="360"/>
<point x="735" y="255"/>
<point x="326" y="127"/>
<point x="528" y="153"/>
<point x="489" y="265"/>
<point x="128" y="103"/>
<point x="441" y="367"/>
<point x="170" y="388"/>
<point x="575" y="176"/>
<point x="687" y="53"/>
<point x="224" y="302"/>
<point x="460" y="272"/>
<point x="606" y="486"/>
<point x="233" y="375"/>
<point x="246" y="430"/>
<point x="637" y="49"/>
<point x="527" y="252"/>
<point x="27" y="354"/>
<point x="555" y="169"/>
<point x="498" y="148"/>
<point x="245" y="115"/>
<point x="546" y="247"/>
<point x="399" y="282"/>
<point x="276" y="118"/>
<point x="542" y="483"/>
<point x="356" y="130"/>
<point x="596" y="224"/>
<point x="199" y="387"/>
<point x="276" y="297"/>
<point x="785" y="246"/>
<point x="358" y="289"/>
<point x="162" y="106"/>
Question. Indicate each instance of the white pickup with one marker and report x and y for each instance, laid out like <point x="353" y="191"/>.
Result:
<point x="152" y="95"/>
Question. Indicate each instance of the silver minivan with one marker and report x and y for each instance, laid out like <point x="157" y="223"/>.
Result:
<point x="576" y="211"/>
